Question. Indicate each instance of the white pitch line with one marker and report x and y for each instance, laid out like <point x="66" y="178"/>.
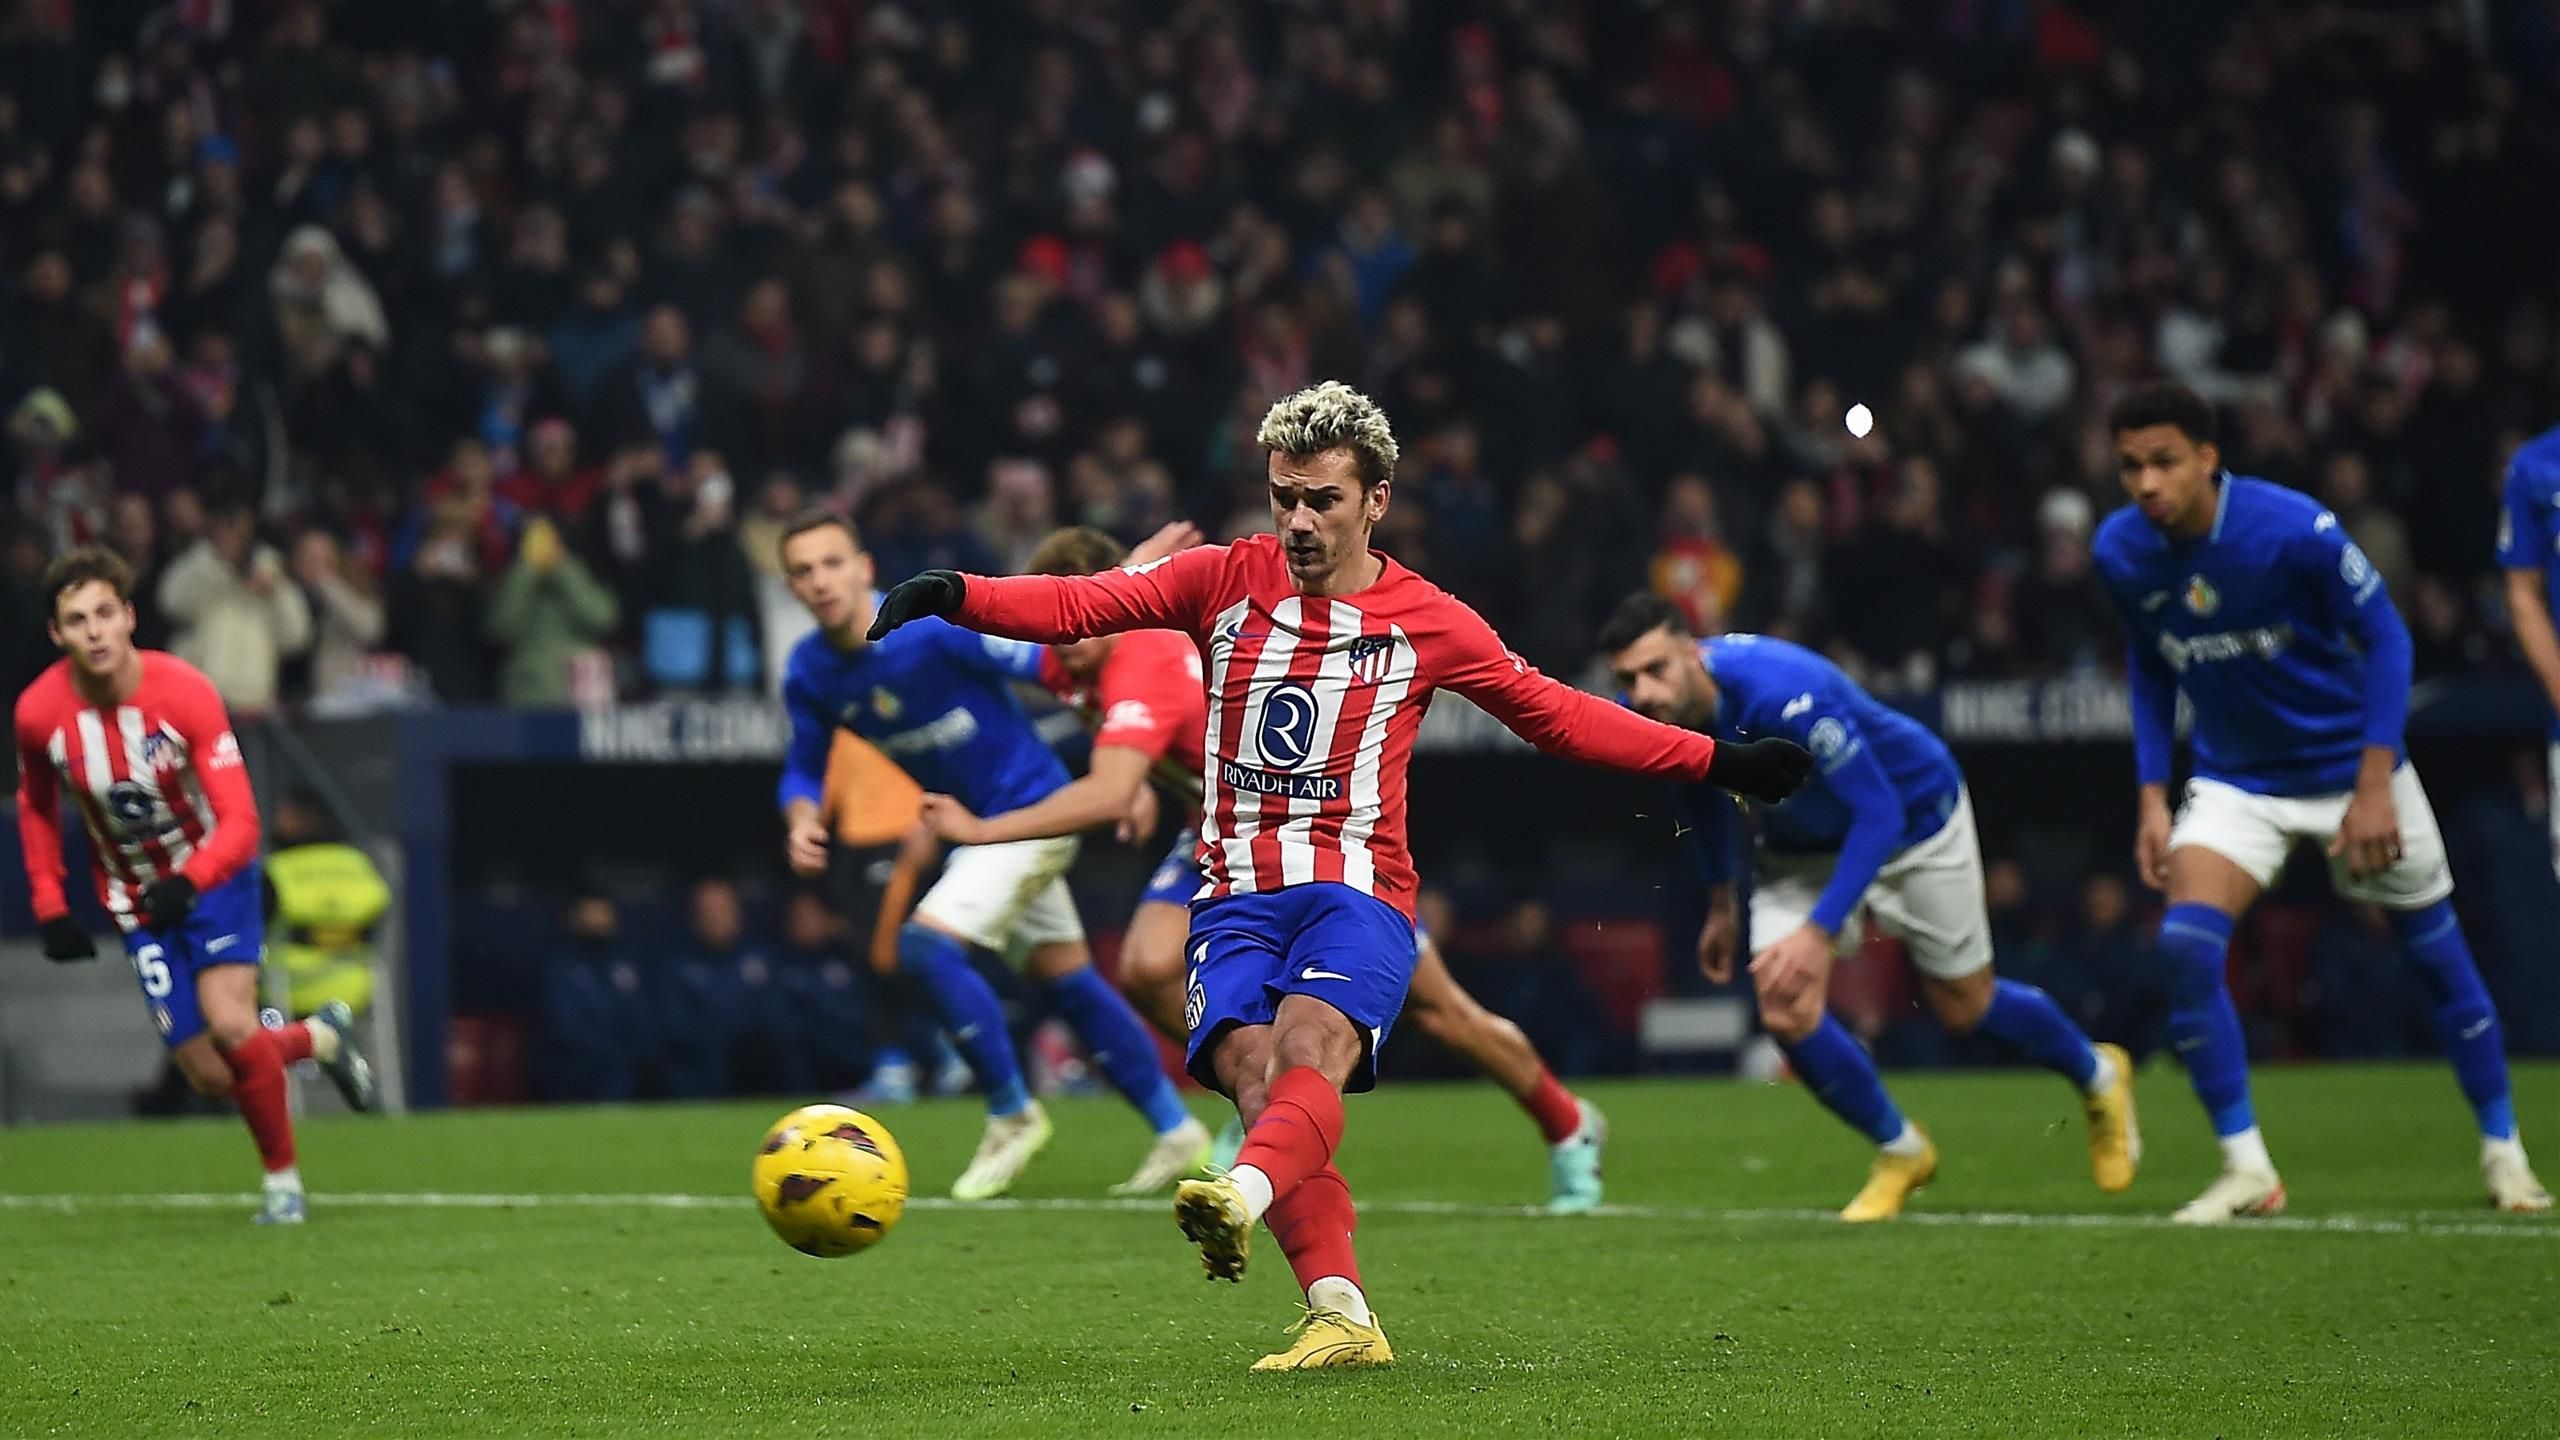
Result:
<point x="1942" y="1219"/>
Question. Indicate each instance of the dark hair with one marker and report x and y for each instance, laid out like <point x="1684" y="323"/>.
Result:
<point x="2166" y="404"/>
<point x="1640" y="615"/>
<point x="809" y="520"/>
<point x="1077" y="550"/>
<point x="74" y="568"/>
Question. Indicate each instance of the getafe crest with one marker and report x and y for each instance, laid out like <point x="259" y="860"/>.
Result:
<point x="2202" y="598"/>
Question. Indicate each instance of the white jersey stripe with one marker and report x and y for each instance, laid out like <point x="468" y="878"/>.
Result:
<point x="1269" y="669"/>
<point x="1332" y="683"/>
<point x="1213" y="796"/>
<point x="1359" y="868"/>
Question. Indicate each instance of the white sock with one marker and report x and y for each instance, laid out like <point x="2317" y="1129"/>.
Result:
<point x="2247" y="1151"/>
<point x="2510" y="1147"/>
<point x="324" y="1041"/>
<point x="288" y="1178"/>
<point x="1257" y="1190"/>
<point x="2105" y="1076"/>
<point x="1909" y="1143"/>
<point x="1342" y="1297"/>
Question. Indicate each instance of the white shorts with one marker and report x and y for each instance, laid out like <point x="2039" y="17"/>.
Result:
<point x="1928" y="896"/>
<point x="1006" y="898"/>
<point x="2258" y="833"/>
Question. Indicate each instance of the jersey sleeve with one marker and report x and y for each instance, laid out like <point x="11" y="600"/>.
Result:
<point x="1144" y="706"/>
<point x="1465" y="655"/>
<point x="1178" y="592"/>
<point x="2151" y="691"/>
<point x="39" y="814"/>
<point x="1851" y="771"/>
<point x="2524" y="536"/>
<point x="196" y="712"/>
<point x="1707" y="824"/>
<point x="993" y="656"/>
<point x="804" y="758"/>
<point x="2350" y="593"/>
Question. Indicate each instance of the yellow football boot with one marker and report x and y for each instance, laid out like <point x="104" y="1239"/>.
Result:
<point x="2115" y="1137"/>
<point x="1213" y="1217"/>
<point x="1331" y="1340"/>
<point x="1891" y="1181"/>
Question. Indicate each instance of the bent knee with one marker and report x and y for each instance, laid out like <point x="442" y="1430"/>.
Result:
<point x="1960" y="1004"/>
<point x="208" y="1074"/>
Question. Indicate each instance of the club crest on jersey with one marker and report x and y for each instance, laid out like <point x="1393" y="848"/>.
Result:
<point x="157" y="752"/>
<point x="884" y="704"/>
<point x="2202" y="598"/>
<point x="1372" y="656"/>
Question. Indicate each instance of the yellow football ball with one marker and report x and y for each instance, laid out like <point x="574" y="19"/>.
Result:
<point x="831" y="1181"/>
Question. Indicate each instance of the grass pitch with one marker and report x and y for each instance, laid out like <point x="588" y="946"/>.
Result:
<point x="601" y="1272"/>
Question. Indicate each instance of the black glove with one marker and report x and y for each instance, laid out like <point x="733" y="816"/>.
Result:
<point x="65" y="941"/>
<point x="165" y="902"/>
<point x="935" y="592"/>
<point x="1764" y="770"/>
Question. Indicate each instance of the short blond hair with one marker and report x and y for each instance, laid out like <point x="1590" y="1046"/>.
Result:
<point x="1330" y="415"/>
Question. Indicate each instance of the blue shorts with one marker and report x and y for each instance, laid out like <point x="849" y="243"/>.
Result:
<point x="1326" y="941"/>
<point x="225" y="928"/>
<point x="1177" y="876"/>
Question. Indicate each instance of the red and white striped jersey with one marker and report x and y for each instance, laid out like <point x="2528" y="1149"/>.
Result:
<point x="157" y="777"/>
<point x="1314" y="702"/>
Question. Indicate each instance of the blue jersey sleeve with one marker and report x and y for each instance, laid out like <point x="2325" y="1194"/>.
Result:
<point x="2524" y="541"/>
<point x="1707" y="824"/>
<point x="990" y="655"/>
<point x="2352" y="595"/>
<point x="2151" y="691"/>
<point x="804" y="760"/>
<point x="1851" y="771"/>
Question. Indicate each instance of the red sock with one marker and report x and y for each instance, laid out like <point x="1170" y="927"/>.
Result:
<point x="293" y="1042"/>
<point x="1550" y="1104"/>
<point x="1313" y="1225"/>
<point x="1297" y="1132"/>
<point x="257" y="1070"/>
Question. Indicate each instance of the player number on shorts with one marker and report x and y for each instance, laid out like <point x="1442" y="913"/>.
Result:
<point x="153" y="972"/>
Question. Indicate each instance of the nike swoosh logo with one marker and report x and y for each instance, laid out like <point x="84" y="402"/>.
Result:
<point x="1796" y="707"/>
<point x="2155" y="599"/>
<point x="220" y="943"/>
<point x="2478" y="1028"/>
<point x="1312" y="973"/>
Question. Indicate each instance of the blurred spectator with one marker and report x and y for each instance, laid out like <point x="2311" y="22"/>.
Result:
<point x="1693" y="567"/>
<point x="597" y="1024"/>
<point x="233" y="611"/>
<point x="2346" y="487"/>
<point x="549" y="612"/>
<point x="347" y="619"/>
<point x="2064" y="621"/>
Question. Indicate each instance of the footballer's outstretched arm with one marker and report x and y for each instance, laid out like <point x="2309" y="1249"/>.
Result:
<point x="1566" y="722"/>
<point x="1100" y="796"/>
<point x="40" y="823"/>
<point x="1168" y="594"/>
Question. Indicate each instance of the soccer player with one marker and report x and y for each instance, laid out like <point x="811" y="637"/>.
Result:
<point x="1142" y="691"/>
<point x="2251" y="600"/>
<point x="938" y="701"/>
<point x="1887" y="824"/>
<point x="141" y="743"/>
<point x="1321" y="657"/>
<point x="2529" y="551"/>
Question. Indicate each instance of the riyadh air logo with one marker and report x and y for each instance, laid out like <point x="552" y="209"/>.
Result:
<point x="2202" y="598"/>
<point x="1288" y="730"/>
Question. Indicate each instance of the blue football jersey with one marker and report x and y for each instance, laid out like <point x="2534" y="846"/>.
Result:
<point x="2529" y="527"/>
<point x="937" y="699"/>
<point x="1882" y="782"/>
<point x="2277" y="630"/>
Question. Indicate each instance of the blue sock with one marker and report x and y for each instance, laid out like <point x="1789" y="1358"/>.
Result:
<point x="969" y="1010"/>
<point x="2465" y="1020"/>
<point x="2026" y="1020"/>
<point x="1836" y="1068"/>
<point x="1120" y="1043"/>
<point x="2203" y="1027"/>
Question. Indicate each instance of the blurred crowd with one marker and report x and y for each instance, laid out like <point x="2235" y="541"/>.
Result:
<point x="474" y="350"/>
